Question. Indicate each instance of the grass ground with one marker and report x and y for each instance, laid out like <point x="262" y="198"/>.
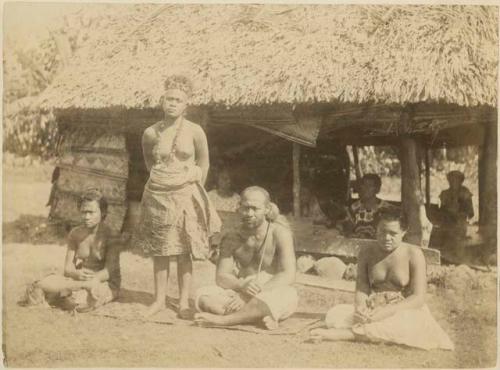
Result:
<point x="41" y="337"/>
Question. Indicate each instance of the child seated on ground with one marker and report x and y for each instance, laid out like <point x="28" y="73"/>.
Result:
<point x="92" y="266"/>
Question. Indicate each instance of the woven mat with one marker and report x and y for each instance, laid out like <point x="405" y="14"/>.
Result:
<point x="131" y="305"/>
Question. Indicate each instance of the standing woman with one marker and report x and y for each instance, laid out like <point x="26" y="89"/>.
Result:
<point x="177" y="217"/>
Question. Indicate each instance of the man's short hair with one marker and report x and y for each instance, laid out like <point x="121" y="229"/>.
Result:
<point x="374" y="178"/>
<point x="258" y="189"/>
<point x="390" y="214"/>
<point x="94" y="194"/>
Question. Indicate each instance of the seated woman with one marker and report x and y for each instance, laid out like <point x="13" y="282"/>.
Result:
<point x="390" y="295"/>
<point x="91" y="268"/>
<point x="223" y="198"/>
<point x="361" y="215"/>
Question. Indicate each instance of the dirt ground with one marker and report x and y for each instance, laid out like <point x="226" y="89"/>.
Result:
<point x="41" y="337"/>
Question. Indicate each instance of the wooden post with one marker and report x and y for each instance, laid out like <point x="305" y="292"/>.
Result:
<point x="357" y="167"/>
<point x="488" y="185"/>
<point x="410" y="189"/>
<point x="411" y="192"/>
<point x="296" y="179"/>
<point x="427" y="177"/>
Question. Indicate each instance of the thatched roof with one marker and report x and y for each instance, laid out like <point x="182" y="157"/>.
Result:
<point x="263" y="54"/>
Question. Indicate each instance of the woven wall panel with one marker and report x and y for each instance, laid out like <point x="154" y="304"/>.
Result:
<point x="95" y="162"/>
<point x="76" y="182"/>
<point x="91" y="159"/>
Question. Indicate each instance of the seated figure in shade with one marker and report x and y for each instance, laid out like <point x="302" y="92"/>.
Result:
<point x="456" y="208"/>
<point x="223" y="198"/>
<point x="361" y="215"/>
<point x="389" y="303"/>
<point x="91" y="268"/>
<point x="261" y="290"/>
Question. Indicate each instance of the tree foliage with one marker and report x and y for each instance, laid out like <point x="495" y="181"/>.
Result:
<point x="29" y="68"/>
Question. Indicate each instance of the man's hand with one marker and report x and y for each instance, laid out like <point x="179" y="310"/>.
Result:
<point x="84" y="274"/>
<point x="235" y="304"/>
<point x="251" y="288"/>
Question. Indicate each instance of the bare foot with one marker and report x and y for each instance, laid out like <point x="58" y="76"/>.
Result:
<point x="208" y="319"/>
<point x="184" y="313"/>
<point x="183" y="306"/>
<point x="270" y="323"/>
<point x="154" y="309"/>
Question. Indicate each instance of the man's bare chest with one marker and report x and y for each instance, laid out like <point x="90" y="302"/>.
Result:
<point x="252" y="251"/>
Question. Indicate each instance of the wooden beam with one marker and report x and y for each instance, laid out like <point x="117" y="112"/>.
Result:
<point x="296" y="178"/>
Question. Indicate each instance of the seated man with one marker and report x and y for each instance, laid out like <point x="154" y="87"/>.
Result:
<point x="263" y="251"/>
<point x="91" y="269"/>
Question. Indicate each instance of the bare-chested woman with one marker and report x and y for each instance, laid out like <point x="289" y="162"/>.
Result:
<point x="390" y="295"/>
<point x="177" y="217"/>
<point x="263" y="251"/>
<point x="92" y="266"/>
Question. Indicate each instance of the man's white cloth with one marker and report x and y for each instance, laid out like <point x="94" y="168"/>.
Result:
<point x="281" y="301"/>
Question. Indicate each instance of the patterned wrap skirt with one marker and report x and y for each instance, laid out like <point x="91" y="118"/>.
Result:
<point x="176" y="218"/>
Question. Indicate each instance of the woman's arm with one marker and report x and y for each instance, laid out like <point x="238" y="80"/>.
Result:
<point x="201" y="152"/>
<point x="148" y="141"/>
<point x="69" y="268"/>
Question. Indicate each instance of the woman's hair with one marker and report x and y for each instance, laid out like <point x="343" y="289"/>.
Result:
<point x="374" y="178"/>
<point x="94" y="194"/>
<point x="389" y="214"/>
<point x="457" y="174"/>
<point x="179" y="82"/>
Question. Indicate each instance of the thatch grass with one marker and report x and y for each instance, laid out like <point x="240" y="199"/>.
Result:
<point x="266" y="54"/>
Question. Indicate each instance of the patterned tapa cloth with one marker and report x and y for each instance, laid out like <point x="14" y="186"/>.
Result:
<point x="176" y="214"/>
